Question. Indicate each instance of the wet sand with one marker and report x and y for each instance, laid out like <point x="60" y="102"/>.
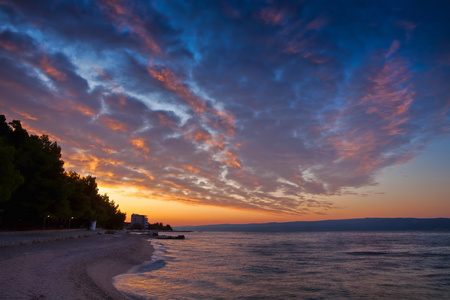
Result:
<point x="73" y="268"/>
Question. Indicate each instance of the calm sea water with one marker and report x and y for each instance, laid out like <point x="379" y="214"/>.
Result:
<point x="299" y="265"/>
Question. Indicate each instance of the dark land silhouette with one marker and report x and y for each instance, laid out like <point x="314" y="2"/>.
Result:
<point x="366" y="224"/>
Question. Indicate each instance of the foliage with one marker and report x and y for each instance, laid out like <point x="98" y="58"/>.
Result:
<point x="34" y="185"/>
<point x="159" y="226"/>
<point x="10" y="178"/>
<point x="136" y="226"/>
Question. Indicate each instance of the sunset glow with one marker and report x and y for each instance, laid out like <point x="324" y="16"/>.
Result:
<point x="209" y="112"/>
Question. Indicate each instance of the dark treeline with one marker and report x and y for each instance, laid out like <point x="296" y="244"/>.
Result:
<point x="155" y="226"/>
<point x="159" y="226"/>
<point x="36" y="190"/>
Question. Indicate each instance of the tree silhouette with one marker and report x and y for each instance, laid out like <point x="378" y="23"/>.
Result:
<point x="34" y="184"/>
<point x="10" y="178"/>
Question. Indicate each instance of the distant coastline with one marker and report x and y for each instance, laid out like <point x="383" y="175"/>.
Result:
<point x="364" y="224"/>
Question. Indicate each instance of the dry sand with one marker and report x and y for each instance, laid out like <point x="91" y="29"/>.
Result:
<point x="76" y="268"/>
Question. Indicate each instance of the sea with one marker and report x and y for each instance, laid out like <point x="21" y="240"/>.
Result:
<point x="294" y="265"/>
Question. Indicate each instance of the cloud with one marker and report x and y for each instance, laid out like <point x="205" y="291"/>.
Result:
<point x="123" y="17"/>
<point x="272" y="107"/>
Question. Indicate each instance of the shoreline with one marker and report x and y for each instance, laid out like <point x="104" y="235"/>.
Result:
<point x="73" y="268"/>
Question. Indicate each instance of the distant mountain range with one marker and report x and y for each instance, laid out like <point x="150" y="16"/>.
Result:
<point x="366" y="224"/>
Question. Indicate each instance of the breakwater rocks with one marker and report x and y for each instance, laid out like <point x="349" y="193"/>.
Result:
<point x="169" y="237"/>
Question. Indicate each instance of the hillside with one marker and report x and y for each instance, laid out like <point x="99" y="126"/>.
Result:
<point x="366" y="224"/>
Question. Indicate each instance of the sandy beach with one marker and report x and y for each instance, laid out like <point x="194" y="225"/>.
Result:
<point x="72" y="268"/>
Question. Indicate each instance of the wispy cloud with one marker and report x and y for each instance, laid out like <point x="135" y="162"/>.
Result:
<point x="272" y="107"/>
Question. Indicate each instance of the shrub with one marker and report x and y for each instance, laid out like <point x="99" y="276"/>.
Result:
<point x="136" y="226"/>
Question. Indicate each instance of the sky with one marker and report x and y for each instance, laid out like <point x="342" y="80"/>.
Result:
<point x="209" y="112"/>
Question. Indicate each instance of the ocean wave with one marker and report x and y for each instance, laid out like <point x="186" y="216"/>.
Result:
<point x="150" y="266"/>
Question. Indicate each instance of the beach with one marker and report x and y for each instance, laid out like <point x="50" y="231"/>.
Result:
<point x="75" y="267"/>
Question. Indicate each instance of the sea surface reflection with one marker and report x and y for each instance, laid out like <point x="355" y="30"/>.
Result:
<point x="297" y="265"/>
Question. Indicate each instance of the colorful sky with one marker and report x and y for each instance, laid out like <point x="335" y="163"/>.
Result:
<point x="206" y="112"/>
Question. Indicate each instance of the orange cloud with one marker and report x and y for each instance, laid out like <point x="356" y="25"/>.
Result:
<point x="114" y="125"/>
<point x="46" y="66"/>
<point x="389" y="97"/>
<point x="124" y="17"/>
<point x="201" y="136"/>
<point x="40" y="132"/>
<point x="317" y="23"/>
<point x="85" y="110"/>
<point x="140" y="144"/>
<point x="394" y="47"/>
<point x="166" y="121"/>
<point x="360" y="147"/>
<point x="227" y="120"/>
<point x="25" y="115"/>
<point x="272" y="16"/>
<point x="105" y="76"/>
<point x="84" y="159"/>
<point x="218" y="141"/>
<point x="93" y="164"/>
<point x="8" y="46"/>
<point x="175" y="185"/>
<point x="109" y="150"/>
<point x="115" y="6"/>
<point x="298" y="46"/>
<point x="94" y="143"/>
<point x="145" y="172"/>
<point x="173" y="83"/>
<point x="191" y="169"/>
<point x="231" y="160"/>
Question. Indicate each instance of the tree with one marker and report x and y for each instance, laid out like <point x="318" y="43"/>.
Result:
<point x="34" y="184"/>
<point x="10" y="178"/>
<point x="87" y="204"/>
<point x="160" y="226"/>
<point x="39" y="164"/>
<point x="114" y="217"/>
<point x="77" y="197"/>
<point x="136" y="226"/>
<point x="44" y="189"/>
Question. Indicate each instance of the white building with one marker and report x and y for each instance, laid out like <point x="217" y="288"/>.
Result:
<point x="139" y="219"/>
